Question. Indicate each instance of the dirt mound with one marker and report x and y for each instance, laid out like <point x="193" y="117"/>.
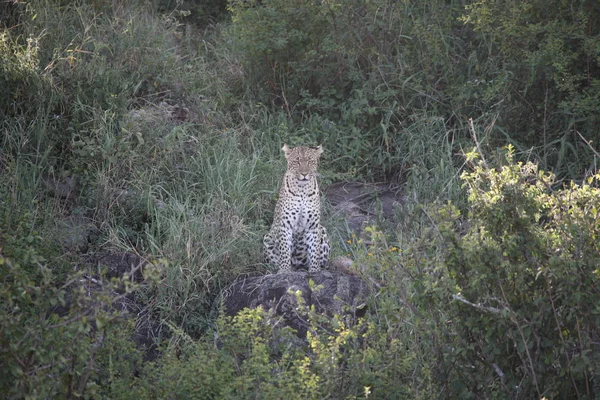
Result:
<point x="361" y="202"/>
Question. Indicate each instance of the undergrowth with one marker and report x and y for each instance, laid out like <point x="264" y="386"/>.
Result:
<point x="155" y="129"/>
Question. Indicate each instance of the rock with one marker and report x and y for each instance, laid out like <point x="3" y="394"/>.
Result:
<point x="116" y="265"/>
<point x="63" y="188"/>
<point x="119" y="263"/>
<point x="335" y="293"/>
<point x="73" y="233"/>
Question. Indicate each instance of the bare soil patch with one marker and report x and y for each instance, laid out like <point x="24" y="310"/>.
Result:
<point x="361" y="203"/>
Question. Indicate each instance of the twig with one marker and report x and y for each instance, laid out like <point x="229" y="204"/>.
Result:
<point x="545" y="124"/>
<point x="493" y="310"/>
<point x="588" y="143"/>
<point x="90" y="366"/>
<point x="587" y="380"/>
<point x="474" y="135"/>
<point x="562" y="339"/>
<point x="499" y="372"/>
<point x="402" y="297"/>
<point x="516" y="322"/>
<point x="433" y="223"/>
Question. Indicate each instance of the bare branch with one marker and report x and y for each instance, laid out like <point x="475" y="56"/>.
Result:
<point x="493" y="310"/>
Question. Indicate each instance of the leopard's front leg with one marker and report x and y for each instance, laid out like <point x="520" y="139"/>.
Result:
<point x="313" y="240"/>
<point x="285" y="252"/>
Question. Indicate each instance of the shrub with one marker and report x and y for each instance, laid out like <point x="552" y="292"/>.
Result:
<point x="550" y="60"/>
<point x="52" y="330"/>
<point x="515" y="296"/>
<point x="250" y="356"/>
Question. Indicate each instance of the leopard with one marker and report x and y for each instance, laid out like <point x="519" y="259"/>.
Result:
<point x="297" y="240"/>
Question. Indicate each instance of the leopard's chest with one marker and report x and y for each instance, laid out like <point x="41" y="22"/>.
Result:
<point x="300" y="213"/>
<point x="302" y="216"/>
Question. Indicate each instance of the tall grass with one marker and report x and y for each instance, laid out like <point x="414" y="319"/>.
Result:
<point x="207" y="223"/>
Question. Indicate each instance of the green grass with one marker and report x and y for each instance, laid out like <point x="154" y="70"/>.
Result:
<point x="173" y="132"/>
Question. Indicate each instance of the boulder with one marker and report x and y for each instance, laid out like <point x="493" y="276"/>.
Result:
<point x="119" y="263"/>
<point x="73" y="233"/>
<point x="330" y="293"/>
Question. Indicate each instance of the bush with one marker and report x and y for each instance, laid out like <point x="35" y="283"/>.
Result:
<point x="79" y="63"/>
<point x="52" y="330"/>
<point x="548" y="52"/>
<point x="516" y="294"/>
<point x="249" y="356"/>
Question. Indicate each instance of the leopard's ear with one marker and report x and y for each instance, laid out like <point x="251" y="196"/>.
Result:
<point x="286" y="149"/>
<point x="318" y="148"/>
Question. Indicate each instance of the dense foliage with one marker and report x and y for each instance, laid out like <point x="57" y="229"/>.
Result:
<point x="371" y="71"/>
<point x="523" y="284"/>
<point x="155" y="128"/>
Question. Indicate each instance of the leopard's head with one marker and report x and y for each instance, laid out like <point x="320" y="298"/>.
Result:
<point x="302" y="161"/>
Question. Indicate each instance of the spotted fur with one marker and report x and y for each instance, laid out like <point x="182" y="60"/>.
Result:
<point x="297" y="240"/>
